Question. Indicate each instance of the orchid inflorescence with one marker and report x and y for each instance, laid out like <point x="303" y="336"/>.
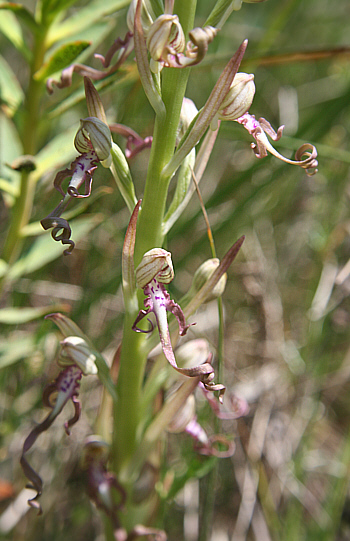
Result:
<point x="159" y="43"/>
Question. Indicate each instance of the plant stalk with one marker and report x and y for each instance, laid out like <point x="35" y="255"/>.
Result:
<point x="127" y="414"/>
<point x="23" y="206"/>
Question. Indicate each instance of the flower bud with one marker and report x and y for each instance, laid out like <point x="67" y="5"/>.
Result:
<point x="94" y="134"/>
<point x="238" y="99"/>
<point x="65" y="325"/>
<point x="155" y="264"/>
<point x="76" y="351"/>
<point x="202" y="275"/>
<point x="165" y="37"/>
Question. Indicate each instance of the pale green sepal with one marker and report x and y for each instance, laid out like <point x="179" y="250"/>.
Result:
<point x="3" y="268"/>
<point x="184" y="180"/>
<point x="76" y="349"/>
<point x="122" y="176"/>
<point x="11" y="92"/>
<point x="198" y="169"/>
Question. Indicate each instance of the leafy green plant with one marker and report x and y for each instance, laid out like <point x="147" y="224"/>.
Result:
<point x="123" y="458"/>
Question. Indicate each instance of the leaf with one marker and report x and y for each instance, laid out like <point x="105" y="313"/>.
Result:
<point x="45" y="249"/>
<point x="11" y="93"/>
<point x="22" y="13"/>
<point x="11" y="28"/>
<point x="18" y="316"/>
<point x="84" y="18"/>
<point x="61" y="58"/>
<point x="197" y="468"/>
<point x="15" y="348"/>
<point x="3" y="267"/>
<point x="51" y="8"/>
<point x="10" y="148"/>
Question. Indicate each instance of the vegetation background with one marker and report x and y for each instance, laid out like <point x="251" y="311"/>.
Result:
<point x="286" y="303"/>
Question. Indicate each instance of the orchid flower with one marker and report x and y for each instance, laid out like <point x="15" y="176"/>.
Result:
<point x="93" y="141"/>
<point x="185" y="420"/>
<point x="167" y="46"/>
<point x="154" y="271"/>
<point x="78" y="361"/>
<point x="305" y="156"/>
<point x="104" y="488"/>
<point x="102" y="484"/>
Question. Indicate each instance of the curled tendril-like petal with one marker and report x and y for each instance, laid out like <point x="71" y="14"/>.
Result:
<point x="61" y="233"/>
<point x="141" y="315"/>
<point x="239" y="406"/>
<point x="134" y="142"/>
<point x="53" y="220"/>
<point x="306" y="156"/>
<point x="59" y="225"/>
<point x="196" y="48"/>
<point x="76" y="416"/>
<point x="209" y="445"/>
<point x="212" y="448"/>
<point x="124" y="46"/>
<point x="259" y="129"/>
<point x="66" y="387"/>
<point x="158" y="301"/>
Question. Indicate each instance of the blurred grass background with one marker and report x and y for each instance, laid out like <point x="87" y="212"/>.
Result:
<point x="286" y="303"/>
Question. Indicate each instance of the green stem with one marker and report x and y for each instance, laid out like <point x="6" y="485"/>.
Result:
<point x="153" y="205"/>
<point x="23" y="205"/>
<point x="149" y="235"/>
